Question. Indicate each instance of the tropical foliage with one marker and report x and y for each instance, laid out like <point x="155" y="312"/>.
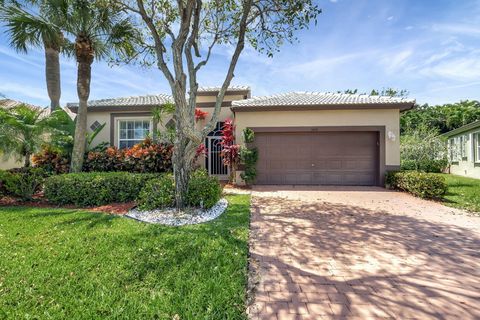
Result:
<point x="143" y="157"/>
<point x="443" y="118"/>
<point x="23" y="130"/>
<point x="99" y="29"/>
<point x="230" y="150"/>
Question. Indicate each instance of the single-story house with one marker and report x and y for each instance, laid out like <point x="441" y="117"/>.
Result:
<point x="303" y="138"/>
<point x="464" y="150"/>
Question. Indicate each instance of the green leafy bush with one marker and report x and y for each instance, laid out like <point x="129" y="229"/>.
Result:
<point x="157" y="193"/>
<point x="249" y="158"/>
<point x="426" y="165"/>
<point x="22" y="183"/>
<point x="421" y="184"/>
<point x="95" y="188"/>
<point x="248" y="135"/>
<point x="203" y="190"/>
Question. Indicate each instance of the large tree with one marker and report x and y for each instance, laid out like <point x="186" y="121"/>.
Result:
<point x="99" y="29"/>
<point x="36" y="23"/>
<point x="181" y="35"/>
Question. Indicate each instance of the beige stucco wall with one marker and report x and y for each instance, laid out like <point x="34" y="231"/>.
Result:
<point x="10" y="163"/>
<point x="467" y="167"/>
<point x="105" y="117"/>
<point x="390" y="118"/>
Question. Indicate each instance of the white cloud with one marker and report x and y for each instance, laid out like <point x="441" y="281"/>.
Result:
<point x="10" y="88"/>
<point x="396" y="61"/>
<point x="463" y="29"/>
<point x="460" y="69"/>
<point x="390" y="18"/>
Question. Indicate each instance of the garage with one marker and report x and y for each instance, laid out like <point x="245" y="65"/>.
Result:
<point x="318" y="158"/>
<point x="321" y="138"/>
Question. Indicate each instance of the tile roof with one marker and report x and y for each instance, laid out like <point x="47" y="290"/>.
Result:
<point x="231" y="88"/>
<point x="149" y="100"/>
<point x="319" y="99"/>
<point x="9" y="103"/>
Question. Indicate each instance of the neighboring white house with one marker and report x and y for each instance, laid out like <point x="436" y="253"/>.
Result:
<point x="464" y="150"/>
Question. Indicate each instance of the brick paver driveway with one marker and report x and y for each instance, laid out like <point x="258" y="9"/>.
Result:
<point x="362" y="253"/>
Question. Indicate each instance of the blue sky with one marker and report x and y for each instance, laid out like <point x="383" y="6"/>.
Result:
<point x="430" y="48"/>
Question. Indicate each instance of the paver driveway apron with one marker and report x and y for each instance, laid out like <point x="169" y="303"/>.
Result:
<point x="362" y="253"/>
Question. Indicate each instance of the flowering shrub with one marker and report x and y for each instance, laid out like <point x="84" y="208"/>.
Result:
<point x="200" y="114"/>
<point x="143" y="157"/>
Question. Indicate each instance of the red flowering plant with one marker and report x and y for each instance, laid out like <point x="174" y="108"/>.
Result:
<point x="200" y="114"/>
<point x="230" y="151"/>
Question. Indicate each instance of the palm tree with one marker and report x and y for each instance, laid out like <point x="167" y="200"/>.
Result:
<point x="38" y="30"/>
<point x="99" y="29"/>
<point x="23" y="130"/>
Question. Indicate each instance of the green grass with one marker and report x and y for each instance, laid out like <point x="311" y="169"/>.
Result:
<point x="67" y="264"/>
<point x="463" y="192"/>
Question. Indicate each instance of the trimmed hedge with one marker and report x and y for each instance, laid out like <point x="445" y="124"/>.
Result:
<point x="421" y="184"/>
<point x="157" y="193"/>
<point x="95" y="188"/>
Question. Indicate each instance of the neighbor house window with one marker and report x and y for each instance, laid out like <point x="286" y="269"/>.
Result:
<point x="464" y="146"/>
<point x="455" y="147"/>
<point x="476" y="146"/>
<point x="132" y="132"/>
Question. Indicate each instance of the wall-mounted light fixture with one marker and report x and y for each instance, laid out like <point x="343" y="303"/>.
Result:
<point x="391" y="136"/>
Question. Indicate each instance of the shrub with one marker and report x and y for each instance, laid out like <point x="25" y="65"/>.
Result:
<point x="4" y="175"/>
<point x="51" y="161"/>
<point x="426" y="165"/>
<point x="145" y="157"/>
<point x="95" y="188"/>
<point x="157" y="193"/>
<point x="203" y="190"/>
<point x="421" y="184"/>
<point x="22" y="183"/>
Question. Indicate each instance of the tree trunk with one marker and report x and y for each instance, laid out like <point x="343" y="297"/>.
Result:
<point x="181" y="172"/>
<point x="83" y="91"/>
<point x="52" y="75"/>
<point x="26" y="162"/>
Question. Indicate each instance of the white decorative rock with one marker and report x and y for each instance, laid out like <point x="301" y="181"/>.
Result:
<point x="171" y="217"/>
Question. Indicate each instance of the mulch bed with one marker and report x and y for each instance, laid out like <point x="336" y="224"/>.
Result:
<point x="40" y="202"/>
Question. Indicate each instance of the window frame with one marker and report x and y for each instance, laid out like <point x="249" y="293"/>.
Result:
<point x="132" y="119"/>
<point x="476" y="146"/>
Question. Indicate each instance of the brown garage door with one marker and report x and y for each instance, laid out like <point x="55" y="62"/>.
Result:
<point x="325" y="158"/>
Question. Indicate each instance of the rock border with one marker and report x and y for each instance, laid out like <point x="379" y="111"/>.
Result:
<point x="170" y="217"/>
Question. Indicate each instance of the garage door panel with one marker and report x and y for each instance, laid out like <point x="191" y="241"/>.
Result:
<point x="330" y="158"/>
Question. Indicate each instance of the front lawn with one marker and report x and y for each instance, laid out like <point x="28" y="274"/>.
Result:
<point x="70" y="264"/>
<point x="462" y="192"/>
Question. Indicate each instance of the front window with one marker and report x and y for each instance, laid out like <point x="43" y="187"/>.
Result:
<point x="476" y="146"/>
<point x="132" y="132"/>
